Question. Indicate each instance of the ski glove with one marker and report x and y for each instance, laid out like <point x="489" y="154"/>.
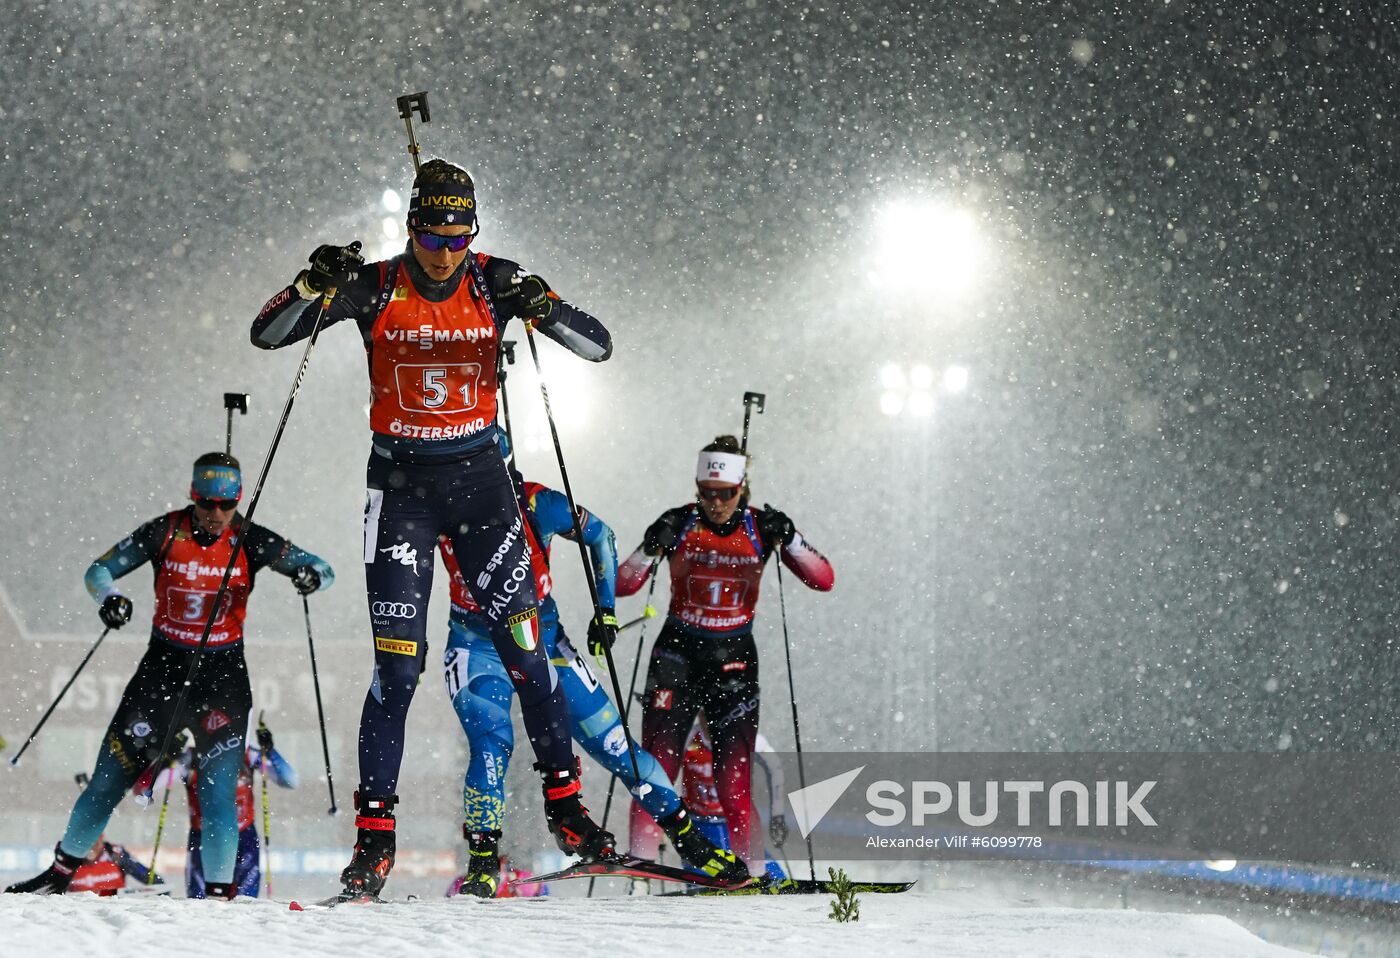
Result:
<point x="331" y="266"/>
<point x="115" y="611"/>
<point x="306" y="580"/>
<point x="527" y="297"/>
<point x="777" y="830"/>
<point x="662" y="534"/>
<point x="776" y="527"/>
<point x="265" y="741"/>
<point x="602" y="633"/>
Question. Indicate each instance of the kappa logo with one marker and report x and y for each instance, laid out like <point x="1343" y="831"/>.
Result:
<point x="215" y="720"/>
<point x="403" y="554"/>
<point x="394" y="610"/>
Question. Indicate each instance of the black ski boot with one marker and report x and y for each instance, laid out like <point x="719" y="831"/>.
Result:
<point x="574" y="832"/>
<point x="699" y="852"/>
<point x="374" y="847"/>
<point x="220" y="890"/>
<point x="53" y="880"/>
<point x="483" y="876"/>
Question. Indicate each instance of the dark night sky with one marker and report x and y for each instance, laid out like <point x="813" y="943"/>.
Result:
<point x="1162" y="516"/>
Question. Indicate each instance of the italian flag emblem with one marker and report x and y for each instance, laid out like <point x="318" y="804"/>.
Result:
<point x="524" y="629"/>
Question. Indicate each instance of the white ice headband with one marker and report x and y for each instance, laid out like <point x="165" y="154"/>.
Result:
<point x="720" y="467"/>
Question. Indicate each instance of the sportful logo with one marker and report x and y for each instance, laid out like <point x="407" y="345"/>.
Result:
<point x="403" y="554"/>
<point x="395" y="610"/>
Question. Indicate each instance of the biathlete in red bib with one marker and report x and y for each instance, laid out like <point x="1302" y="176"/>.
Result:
<point x="431" y="320"/>
<point x="190" y="550"/>
<point x="705" y="656"/>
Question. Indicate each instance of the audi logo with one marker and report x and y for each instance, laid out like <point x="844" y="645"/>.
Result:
<point x="395" y="610"/>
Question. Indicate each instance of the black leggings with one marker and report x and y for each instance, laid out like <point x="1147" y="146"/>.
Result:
<point x="473" y="503"/>
<point x="720" y="675"/>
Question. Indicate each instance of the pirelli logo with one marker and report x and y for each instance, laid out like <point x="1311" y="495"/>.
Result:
<point x="397" y="646"/>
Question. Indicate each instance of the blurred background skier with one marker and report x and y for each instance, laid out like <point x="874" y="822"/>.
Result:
<point x="247" y="874"/>
<point x="705" y="655"/>
<point x="189" y="550"/>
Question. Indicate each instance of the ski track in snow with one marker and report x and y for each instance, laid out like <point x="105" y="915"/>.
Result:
<point x="890" y="927"/>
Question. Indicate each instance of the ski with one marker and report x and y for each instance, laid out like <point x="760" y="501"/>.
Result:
<point x="797" y="886"/>
<point x="625" y="866"/>
<point x="340" y="899"/>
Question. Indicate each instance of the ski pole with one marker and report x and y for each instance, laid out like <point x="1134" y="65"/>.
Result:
<point x="160" y="822"/>
<point x="81" y="665"/>
<point x="264" y="737"/>
<point x="216" y="605"/>
<point x="232" y="401"/>
<point x="647" y="613"/>
<point x="583" y="551"/>
<point x="792" y="697"/>
<point x="626" y="704"/>
<point x="757" y="399"/>
<point x="320" y="712"/>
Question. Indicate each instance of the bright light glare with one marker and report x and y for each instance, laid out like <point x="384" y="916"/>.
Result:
<point x="891" y="403"/>
<point x="392" y="201"/>
<point x="390" y="227"/>
<point x="1222" y="864"/>
<point x="920" y="377"/>
<point x="892" y="376"/>
<point x="928" y="247"/>
<point x="920" y="404"/>
<point x="955" y="378"/>
<point x="389" y="249"/>
<point x="569" y="383"/>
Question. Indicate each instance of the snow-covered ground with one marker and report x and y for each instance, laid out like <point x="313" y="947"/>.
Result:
<point x="891" y="925"/>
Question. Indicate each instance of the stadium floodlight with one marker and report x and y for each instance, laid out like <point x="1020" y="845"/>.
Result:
<point x="892" y="376"/>
<point x="392" y="201"/>
<point x="911" y="390"/>
<point x="920" y="405"/>
<point x="927" y="246"/>
<point x="955" y="379"/>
